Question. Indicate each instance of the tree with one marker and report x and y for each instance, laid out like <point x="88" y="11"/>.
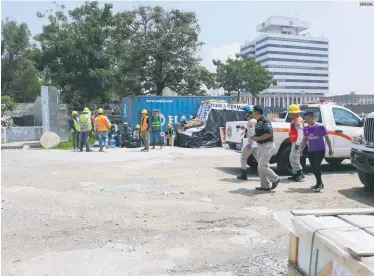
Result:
<point x="242" y="74"/>
<point x="19" y="77"/>
<point x="197" y="81"/>
<point x="7" y="104"/>
<point x="74" y="53"/>
<point x="157" y="49"/>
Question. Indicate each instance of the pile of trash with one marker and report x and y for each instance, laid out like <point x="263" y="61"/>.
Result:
<point x="203" y="130"/>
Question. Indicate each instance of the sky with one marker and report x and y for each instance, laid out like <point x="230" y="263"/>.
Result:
<point x="225" y="25"/>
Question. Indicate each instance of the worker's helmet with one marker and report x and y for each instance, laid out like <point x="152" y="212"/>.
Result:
<point x="137" y="126"/>
<point x="170" y="126"/>
<point x="74" y="113"/>
<point x="155" y="110"/>
<point x="86" y="110"/>
<point x="247" y="108"/>
<point x="293" y="108"/>
<point x="100" y="111"/>
<point x="144" y="111"/>
<point x="126" y="123"/>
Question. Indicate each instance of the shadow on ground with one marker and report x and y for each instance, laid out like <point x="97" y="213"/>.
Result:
<point x="326" y="169"/>
<point x="249" y="192"/>
<point x="361" y="195"/>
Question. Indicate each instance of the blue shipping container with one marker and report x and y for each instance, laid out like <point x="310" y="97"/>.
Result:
<point x="172" y="109"/>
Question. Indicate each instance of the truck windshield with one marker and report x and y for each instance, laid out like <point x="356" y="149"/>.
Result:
<point x="283" y="114"/>
<point x="316" y="110"/>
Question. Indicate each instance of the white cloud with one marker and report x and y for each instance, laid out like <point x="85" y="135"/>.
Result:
<point x="218" y="52"/>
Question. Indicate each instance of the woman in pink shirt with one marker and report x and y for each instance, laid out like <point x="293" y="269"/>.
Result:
<point x="315" y="135"/>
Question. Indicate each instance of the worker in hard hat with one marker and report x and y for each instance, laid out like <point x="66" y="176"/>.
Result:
<point x="136" y="136"/>
<point x="170" y="136"/>
<point x="85" y="128"/>
<point x="295" y="136"/>
<point x="156" y="129"/>
<point x="102" y="127"/>
<point x="248" y="146"/>
<point x="74" y="129"/>
<point x="144" y="129"/>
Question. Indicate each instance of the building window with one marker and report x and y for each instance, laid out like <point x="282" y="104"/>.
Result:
<point x="294" y="60"/>
<point x="306" y="87"/>
<point x="247" y="47"/>
<point x="291" y="47"/>
<point x="298" y="74"/>
<point x="292" y="40"/>
<point x="306" y="81"/>
<point x="291" y="54"/>
<point x="297" y="67"/>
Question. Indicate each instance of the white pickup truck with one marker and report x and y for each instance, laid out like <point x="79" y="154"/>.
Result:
<point x="362" y="153"/>
<point x="341" y="123"/>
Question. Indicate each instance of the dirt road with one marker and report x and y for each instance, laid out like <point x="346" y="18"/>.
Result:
<point x="173" y="211"/>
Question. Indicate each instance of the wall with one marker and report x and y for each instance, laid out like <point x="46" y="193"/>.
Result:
<point x="16" y="134"/>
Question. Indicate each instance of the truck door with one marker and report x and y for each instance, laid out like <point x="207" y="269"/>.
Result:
<point x="346" y="125"/>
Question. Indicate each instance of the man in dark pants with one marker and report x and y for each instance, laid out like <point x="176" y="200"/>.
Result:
<point x="75" y="129"/>
<point x="315" y="135"/>
<point x="156" y="129"/>
<point x="86" y="127"/>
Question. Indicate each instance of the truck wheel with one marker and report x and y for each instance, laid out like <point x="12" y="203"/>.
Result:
<point x="334" y="161"/>
<point x="251" y="162"/>
<point x="283" y="161"/>
<point x="367" y="179"/>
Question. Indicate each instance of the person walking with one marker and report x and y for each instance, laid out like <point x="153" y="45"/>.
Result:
<point x="248" y="148"/>
<point x="144" y="129"/>
<point x="315" y="136"/>
<point x="295" y="136"/>
<point x="102" y="126"/>
<point x="156" y="129"/>
<point x="75" y="129"/>
<point x="264" y="138"/>
<point x="85" y="127"/>
<point x="170" y="136"/>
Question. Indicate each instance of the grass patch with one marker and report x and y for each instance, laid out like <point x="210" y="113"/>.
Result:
<point x="69" y="144"/>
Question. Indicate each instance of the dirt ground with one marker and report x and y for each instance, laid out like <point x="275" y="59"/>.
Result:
<point x="167" y="212"/>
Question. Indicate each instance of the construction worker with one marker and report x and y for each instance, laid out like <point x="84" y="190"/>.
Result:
<point x="250" y="146"/>
<point x="85" y="127"/>
<point x="170" y="136"/>
<point x="102" y="127"/>
<point x="136" y="136"/>
<point x="156" y="128"/>
<point x="295" y="136"/>
<point x="75" y="129"/>
<point x="126" y="133"/>
<point x="144" y="129"/>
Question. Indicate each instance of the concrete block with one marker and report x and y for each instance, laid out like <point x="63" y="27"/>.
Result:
<point x="16" y="134"/>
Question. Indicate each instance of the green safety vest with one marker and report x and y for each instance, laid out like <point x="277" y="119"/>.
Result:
<point x="171" y="132"/>
<point x="85" y="122"/>
<point x="156" y="123"/>
<point x="76" y="124"/>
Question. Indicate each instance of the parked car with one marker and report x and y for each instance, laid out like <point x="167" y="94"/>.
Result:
<point x="362" y="153"/>
<point x="341" y="123"/>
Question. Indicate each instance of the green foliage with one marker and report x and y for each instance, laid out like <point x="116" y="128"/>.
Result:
<point x="242" y="74"/>
<point x="7" y="104"/>
<point x="19" y="77"/>
<point x="92" y="54"/>
<point x="156" y="49"/>
<point x="74" y="52"/>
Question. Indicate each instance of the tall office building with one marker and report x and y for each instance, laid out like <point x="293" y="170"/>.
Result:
<point x="298" y="61"/>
